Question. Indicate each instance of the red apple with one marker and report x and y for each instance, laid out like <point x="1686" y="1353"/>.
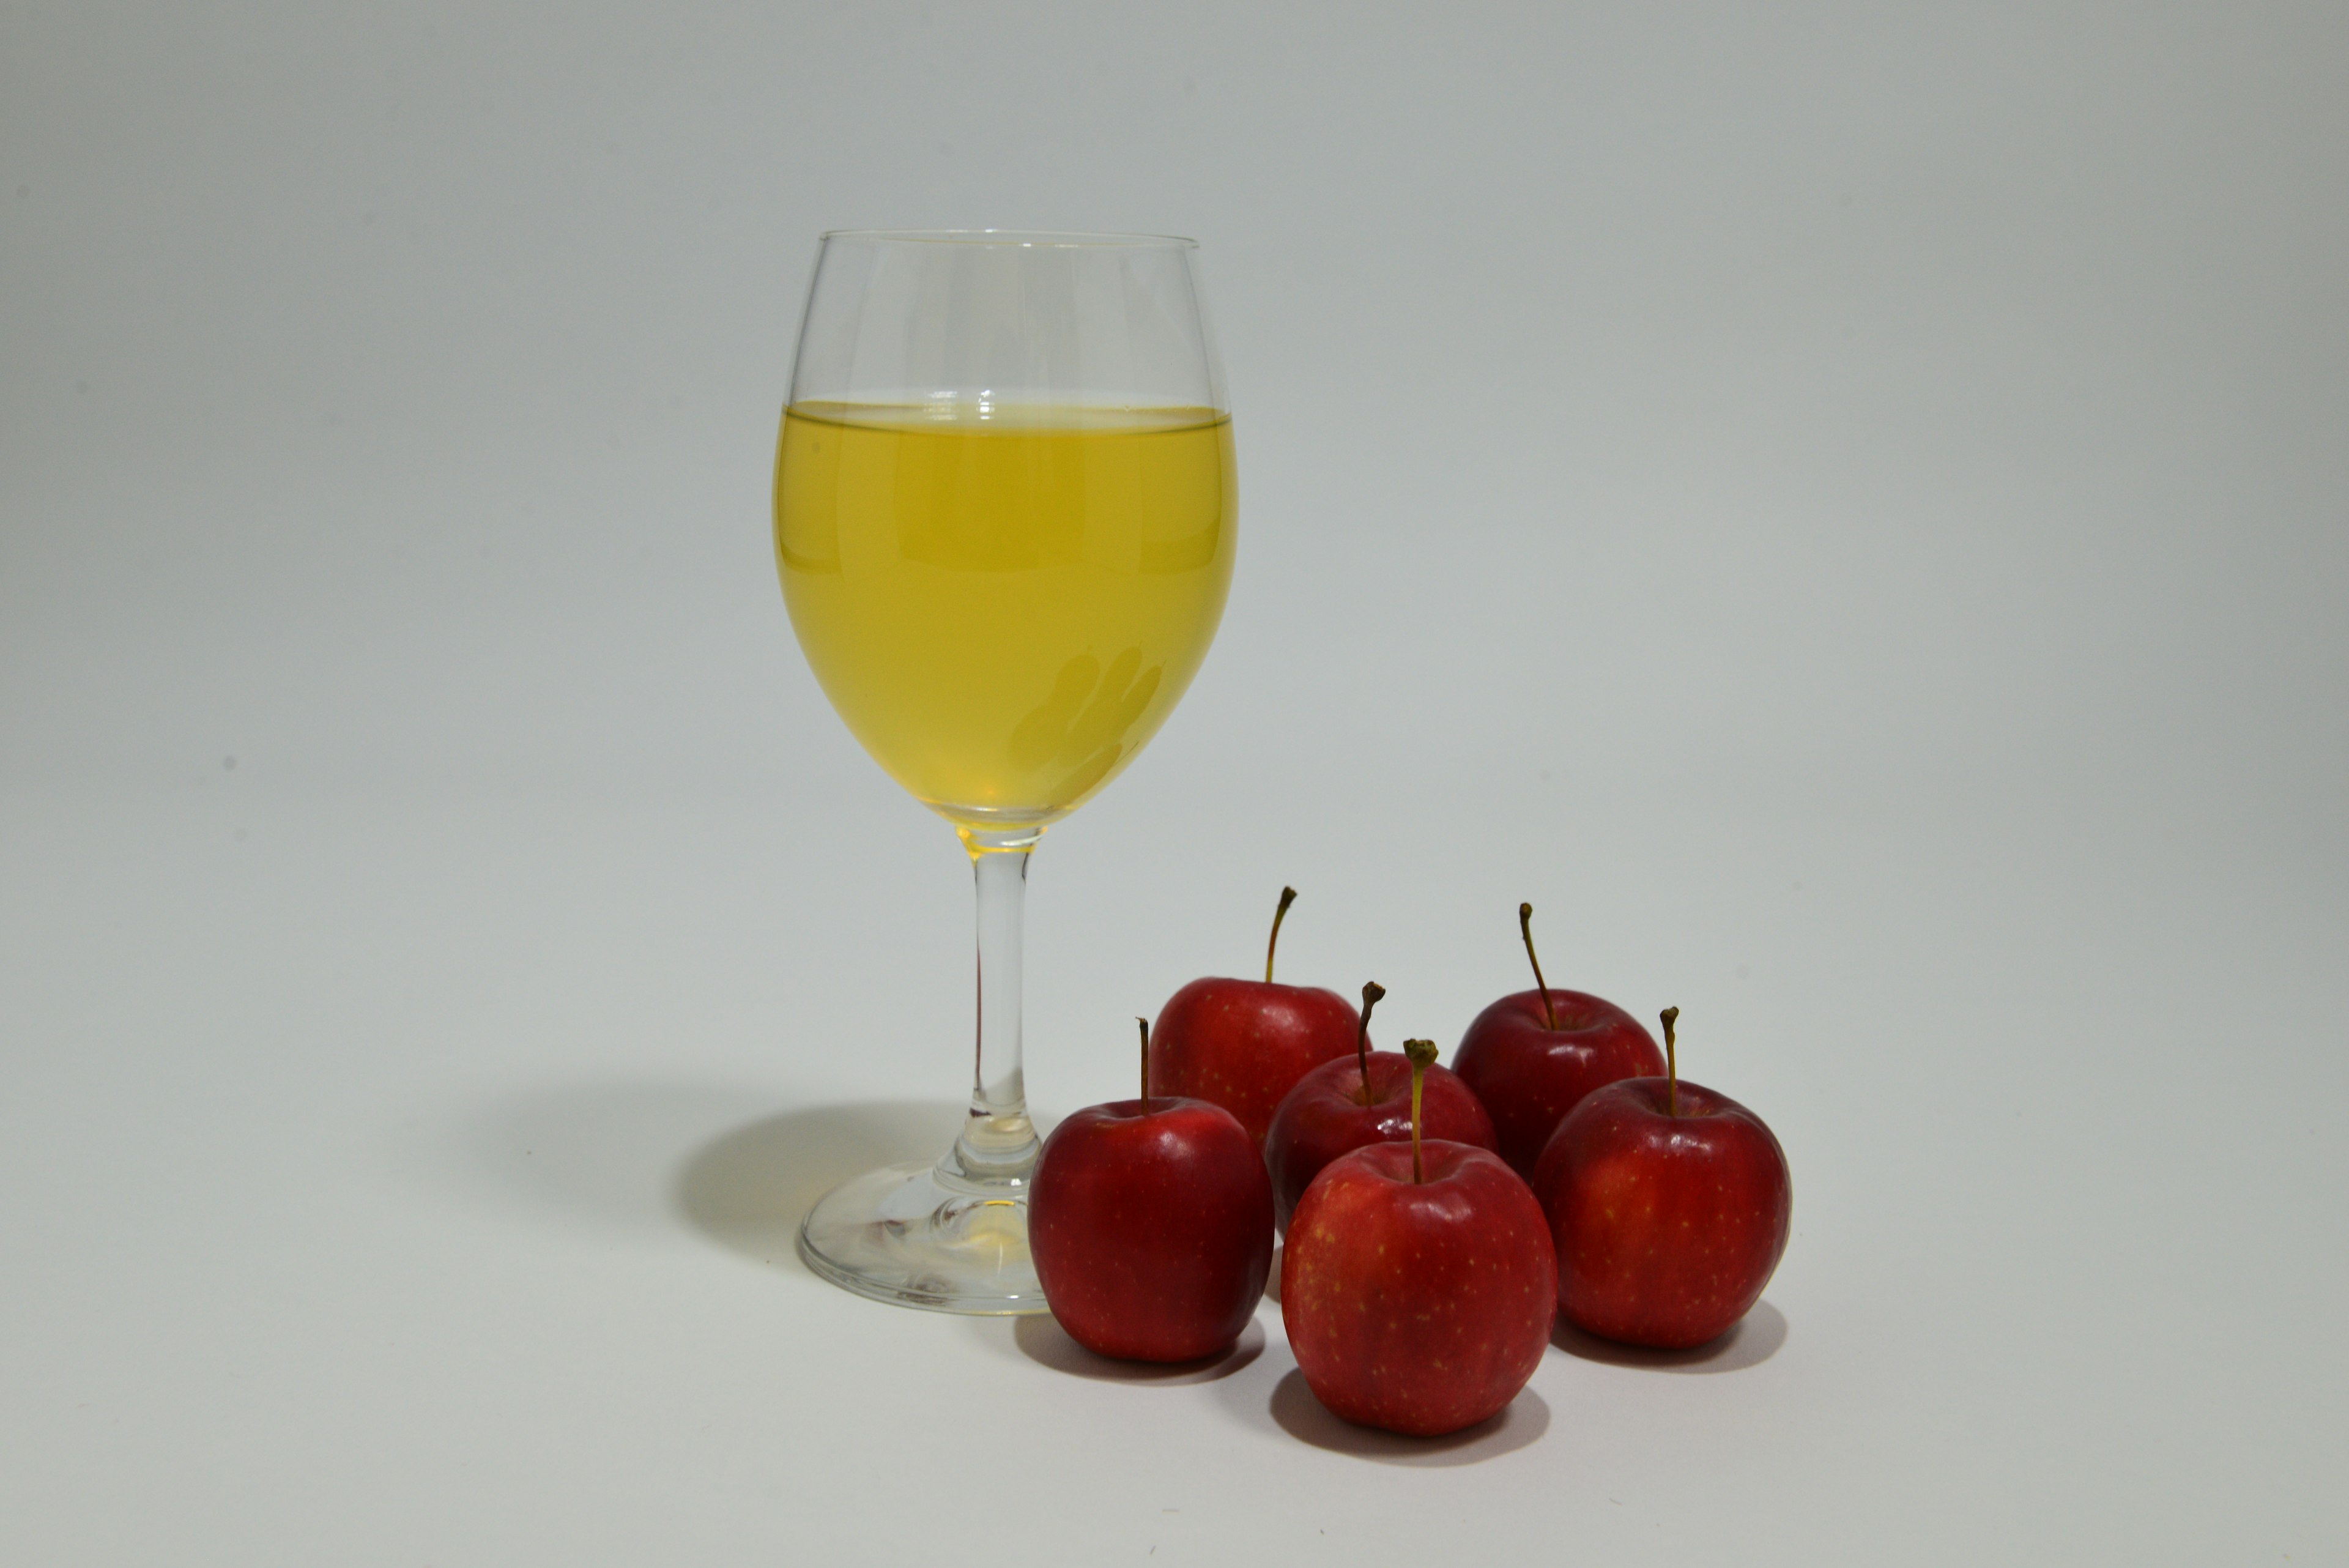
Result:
<point x="1243" y="1043"/>
<point x="1669" y="1205"/>
<point x="1151" y="1224"/>
<point x="1531" y="1056"/>
<point x="1418" y="1285"/>
<point x="1340" y="1105"/>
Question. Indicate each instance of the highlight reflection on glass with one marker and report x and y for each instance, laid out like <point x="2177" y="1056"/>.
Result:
<point x="1004" y="519"/>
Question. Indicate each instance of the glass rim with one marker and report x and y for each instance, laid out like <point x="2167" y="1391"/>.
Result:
<point x="1071" y="239"/>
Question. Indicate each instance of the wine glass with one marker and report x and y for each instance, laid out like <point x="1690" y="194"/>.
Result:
<point x="1004" y="515"/>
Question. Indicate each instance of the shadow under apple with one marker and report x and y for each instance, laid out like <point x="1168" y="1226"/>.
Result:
<point x="1750" y="1341"/>
<point x="1040" y="1340"/>
<point x="1296" y="1411"/>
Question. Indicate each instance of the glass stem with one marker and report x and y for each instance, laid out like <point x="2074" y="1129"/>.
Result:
<point x="997" y="1147"/>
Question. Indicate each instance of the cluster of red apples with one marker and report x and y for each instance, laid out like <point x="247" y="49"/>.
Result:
<point x="1437" y="1221"/>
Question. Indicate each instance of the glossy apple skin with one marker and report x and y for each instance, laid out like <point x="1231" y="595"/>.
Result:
<point x="1151" y="1234"/>
<point x="1243" y="1043"/>
<point x="1666" y="1227"/>
<point x="1325" y="1116"/>
<point x="1419" y="1308"/>
<point x="1529" y="1075"/>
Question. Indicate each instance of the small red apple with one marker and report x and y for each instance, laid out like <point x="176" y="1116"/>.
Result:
<point x="1151" y="1224"/>
<point x="1340" y="1105"/>
<point x="1243" y="1043"/>
<point x="1418" y="1285"/>
<point x="1532" y="1056"/>
<point x="1669" y="1205"/>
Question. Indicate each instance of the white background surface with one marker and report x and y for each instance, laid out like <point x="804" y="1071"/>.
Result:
<point x="1846" y="511"/>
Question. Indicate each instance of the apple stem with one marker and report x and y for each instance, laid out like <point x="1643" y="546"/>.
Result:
<point x="1526" y="926"/>
<point x="1670" y="1015"/>
<point x="1146" y="1064"/>
<point x="1287" y="897"/>
<point x="1423" y="1056"/>
<point x="1372" y="993"/>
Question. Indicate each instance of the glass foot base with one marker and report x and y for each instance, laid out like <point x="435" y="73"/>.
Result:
<point x="900" y="1235"/>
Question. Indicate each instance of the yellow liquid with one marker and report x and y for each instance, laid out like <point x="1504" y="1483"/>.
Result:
<point x="1004" y="606"/>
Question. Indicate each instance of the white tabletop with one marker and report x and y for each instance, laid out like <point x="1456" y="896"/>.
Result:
<point x="1852" y="530"/>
